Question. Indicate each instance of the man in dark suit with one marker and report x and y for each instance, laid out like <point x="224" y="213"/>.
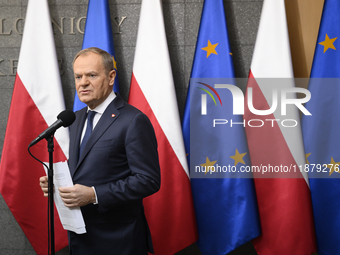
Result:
<point x="113" y="168"/>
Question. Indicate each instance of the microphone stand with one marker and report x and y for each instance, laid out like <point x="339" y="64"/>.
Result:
<point x="65" y="118"/>
<point x="50" y="147"/>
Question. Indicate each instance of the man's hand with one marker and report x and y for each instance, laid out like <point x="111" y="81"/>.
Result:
<point x="78" y="195"/>
<point x="44" y="185"/>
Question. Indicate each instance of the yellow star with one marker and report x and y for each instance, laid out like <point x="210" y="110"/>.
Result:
<point x="307" y="155"/>
<point x="114" y="63"/>
<point x="210" y="49"/>
<point x="238" y="157"/>
<point x="209" y="165"/>
<point x="328" y="43"/>
<point x="333" y="166"/>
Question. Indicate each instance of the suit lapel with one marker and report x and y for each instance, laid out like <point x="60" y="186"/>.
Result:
<point x="109" y="116"/>
<point x="75" y="139"/>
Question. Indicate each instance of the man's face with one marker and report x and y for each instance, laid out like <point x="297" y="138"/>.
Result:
<point x="93" y="84"/>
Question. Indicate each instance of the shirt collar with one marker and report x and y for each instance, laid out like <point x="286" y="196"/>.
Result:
<point x="102" y="107"/>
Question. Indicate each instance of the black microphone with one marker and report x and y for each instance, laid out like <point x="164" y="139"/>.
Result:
<point x="65" y="118"/>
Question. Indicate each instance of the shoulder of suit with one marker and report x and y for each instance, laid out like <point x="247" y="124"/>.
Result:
<point x="80" y="112"/>
<point x="119" y="103"/>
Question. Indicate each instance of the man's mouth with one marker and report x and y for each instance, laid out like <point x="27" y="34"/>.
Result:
<point x="85" y="91"/>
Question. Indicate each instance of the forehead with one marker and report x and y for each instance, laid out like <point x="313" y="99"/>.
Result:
<point x="88" y="62"/>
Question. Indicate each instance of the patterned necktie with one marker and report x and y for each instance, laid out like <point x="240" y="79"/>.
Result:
<point x="88" y="130"/>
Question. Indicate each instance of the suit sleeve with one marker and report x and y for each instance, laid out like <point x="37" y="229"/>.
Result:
<point x="143" y="163"/>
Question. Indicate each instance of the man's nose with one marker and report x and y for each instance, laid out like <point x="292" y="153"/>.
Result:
<point x="84" y="81"/>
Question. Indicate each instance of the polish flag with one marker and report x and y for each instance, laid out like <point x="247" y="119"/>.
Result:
<point x="36" y="101"/>
<point x="170" y="211"/>
<point x="284" y="199"/>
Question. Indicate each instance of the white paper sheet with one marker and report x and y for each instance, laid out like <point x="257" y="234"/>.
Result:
<point x="71" y="218"/>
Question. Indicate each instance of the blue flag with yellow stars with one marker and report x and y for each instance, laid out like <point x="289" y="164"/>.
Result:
<point x="98" y="33"/>
<point x="321" y="131"/>
<point x="225" y="201"/>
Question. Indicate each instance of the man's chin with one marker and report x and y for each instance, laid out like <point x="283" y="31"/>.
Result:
<point x="84" y="98"/>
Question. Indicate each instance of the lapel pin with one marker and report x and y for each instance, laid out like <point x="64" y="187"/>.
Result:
<point x="113" y="115"/>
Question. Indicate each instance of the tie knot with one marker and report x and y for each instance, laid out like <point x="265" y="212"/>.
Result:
<point x="90" y="115"/>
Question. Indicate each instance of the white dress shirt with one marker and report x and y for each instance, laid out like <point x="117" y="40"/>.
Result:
<point x="99" y="112"/>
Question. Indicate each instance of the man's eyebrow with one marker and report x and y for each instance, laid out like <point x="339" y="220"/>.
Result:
<point x="86" y="73"/>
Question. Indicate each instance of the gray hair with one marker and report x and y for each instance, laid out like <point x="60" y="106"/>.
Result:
<point x="107" y="58"/>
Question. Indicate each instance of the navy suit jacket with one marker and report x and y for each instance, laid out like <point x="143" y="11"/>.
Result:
<point x="120" y="160"/>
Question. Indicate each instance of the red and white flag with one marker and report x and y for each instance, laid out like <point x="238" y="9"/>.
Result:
<point x="170" y="212"/>
<point x="284" y="203"/>
<point x="36" y="101"/>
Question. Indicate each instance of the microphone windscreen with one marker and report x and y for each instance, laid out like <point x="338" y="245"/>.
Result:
<point x="67" y="117"/>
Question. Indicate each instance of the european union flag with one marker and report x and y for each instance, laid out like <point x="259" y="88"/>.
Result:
<point x="321" y="131"/>
<point x="98" y="33"/>
<point x="225" y="205"/>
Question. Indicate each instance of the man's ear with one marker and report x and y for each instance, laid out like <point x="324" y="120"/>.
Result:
<point x="112" y="77"/>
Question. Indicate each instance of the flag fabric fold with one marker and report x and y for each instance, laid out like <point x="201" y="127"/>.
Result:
<point x="98" y="33"/>
<point x="226" y="208"/>
<point x="284" y="203"/>
<point x="36" y="101"/>
<point x="320" y="131"/>
<point x="169" y="212"/>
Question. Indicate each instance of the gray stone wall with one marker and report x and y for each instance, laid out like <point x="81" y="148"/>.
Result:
<point x="182" y="21"/>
